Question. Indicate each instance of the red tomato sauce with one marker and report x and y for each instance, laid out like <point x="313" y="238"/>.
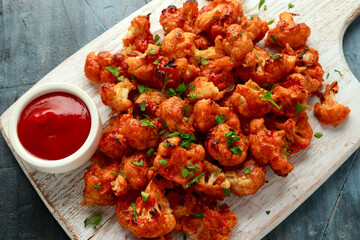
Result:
<point x="54" y="126"/>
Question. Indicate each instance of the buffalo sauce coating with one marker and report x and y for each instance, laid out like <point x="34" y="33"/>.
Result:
<point x="54" y="126"/>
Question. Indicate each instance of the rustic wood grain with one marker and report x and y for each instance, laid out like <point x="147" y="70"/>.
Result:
<point x="63" y="202"/>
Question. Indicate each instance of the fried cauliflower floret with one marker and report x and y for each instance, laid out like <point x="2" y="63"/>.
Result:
<point x="210" y="53"/>
<point x="171" y="111"/>
<point x="213" y="182"/>
<point x="139" y="34"/>
<point x="116" y="95"/>
<point x="95" y="66"/>
<point x="177" y="163"/>
<point x="98" y="180"/>
<point x="329" y="111"/>
<point x="212" y="17"/>
<point x="247" y="101"/>
<point x="288" y="32"/>
<point x="226" y="146"/>
<point x="256" y="26"/>
<point x="217" y="222"/>
<point x="247" y="179"/>
<point x="237" y="43"/>
<point x="181" y="203"/>
<point x="287" y="99"/>
<point x="203" y="89"/>
<point x="218" y="71"/>
<point x="178" y="44"/>
<point x="152" y="101"/>
<point x="268" y="147"/>
<point x="113" y="144"/>
<point x="184" y="18"/>
<point x="151" y="218"/>
<point x="135" y="168"/>
<point x="140" y="134"/>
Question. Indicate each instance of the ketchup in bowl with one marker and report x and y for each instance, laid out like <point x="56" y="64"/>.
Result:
<point x="54" y="125"/>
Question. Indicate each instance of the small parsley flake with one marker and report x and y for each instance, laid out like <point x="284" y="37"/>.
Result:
<point x="318" y="135"/>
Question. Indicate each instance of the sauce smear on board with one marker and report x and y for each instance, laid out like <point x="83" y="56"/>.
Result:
<point x="54" y="126"/>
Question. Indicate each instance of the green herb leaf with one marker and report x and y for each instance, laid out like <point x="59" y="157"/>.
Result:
<point x="192" y="167"/>
<point x="261" y="3"/>
<point x="288" y="153"/>
<point x="143" y="89"/>
<point x="162" y="132"/>
<point x="165" y="27"/>
<point x="97" y="186"/>
<point x="141" y="163"/>
<point x="233" y="59"/>
<point x="215" y="173"/>
<point x="267" y="97"/>
<point x="267" y="212"/>
<point x="186" y="140"/>
<point x="194" y="180"/>
<point x="181" y="89"/>
<point x="318" y="135"/>
<point x="150" y="152"/>
<point x="116" y="72"/>
<point x="186" y="119"/>
<point x="145" y="196"/>
<point x="299" y="108"/>
<point x="197" y="215"/>
<point x="186" y="109"/>
<point x="338" y="72"/>
<point x="142" y="105"/>
<point x="94" y="220"/>
<point x="166" y="143"/>
<point x="269" y="85"/>
<point x="240" y="33"/>
<point x="265" y="7"/>
<point x="226" y="191"/>
<point x="171" y="92"/>
<point x="233" y="38"/>
<point x="147" y="123"/>
<point x="163" y="162"/>
<point x="275" y="40"/>
<point x="220" y="119"/>
<point x="134" y="211"/>
<point x="156" y="62"/>
<point x="266" y="181"/>
<point x="157" y="38"/>
<point x="192" y="86"/>
<point x="285" y="146"/>
<point x="152" y="52"/>
<point x="236" y="150"/>
<point x="120" y="173"/>
<point x="204" y="61"/>
<point x="271" y="21"/>
<point x="185" y="173"/>
<point x="216" y="18"/>
<point x="291" y="5"/>
<point x="192" y="95"/>
<point x="327" y="76"/>
<point x="166" y="80"/>
<point x="231" y="137"/>
<point x="174" y="134"/>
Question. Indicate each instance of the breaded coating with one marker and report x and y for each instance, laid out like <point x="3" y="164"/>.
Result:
<point x="152" y="100"/>
<point x="247" y="179"/>
<point x="256" y="26"/>
<point x="116" y="95"/>
<point x="226" y="145"/>
<point x="172" y="112"/>
<point x="218" y="71"/>
<point x="184" y="18"/>
<point x="178" y="44"/>
<point x="203" y="89"/>
<point x="216" y="223"/>
<point x="139" y="34"/>
<point x="210" y="53"/>
<point x="288" y="32"/>
<point x="135" y="168"/>
<point x="178" y="164"/>
<point x="213" y="182"/>
<point x="148" y="218"/>
<point x="329" y="111"/>
<point x="98" y="180"/>
<point x="269" y="147"/>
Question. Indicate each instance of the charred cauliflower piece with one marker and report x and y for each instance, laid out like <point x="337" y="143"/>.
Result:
<point x="139" y="34"/>
<point x="135" y="168"/>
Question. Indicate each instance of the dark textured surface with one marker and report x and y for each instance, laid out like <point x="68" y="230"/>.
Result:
<point x="35" y="36"/>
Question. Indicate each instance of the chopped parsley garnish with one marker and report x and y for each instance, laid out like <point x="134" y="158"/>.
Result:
<point x="233" y="38"/>
<point x="147" y="123"/>
<point x="288" y="153"/>
<point x="165" y="27"/>
<point x="145" y="196"/>
<point x="266" y="181"/>
<point x="261" y="3"/>
<point x="271" y="21"/>
<point x="194" y="180"/>
<point x="265" y="7"/>
<point x="143" y="89"/>
<point x="162" y="132"/>
<point x="299" y="108"/>
<point x="327" y="76"/>
<point x="247" y="171"/>
<point x="226" y="191"/>
<point x="134" y="211"/>
<point x="141" y="163"/>
<point x="285" y="146"/>
<point x="94" y="220"/>
<point x="204" y="61"/>
<point x="152" y="52"/>
<point x="186" y="119"/>
<point x="236" y="150"/>
<point x="318" y="135"/>
<point x="185" y="173"/>
<point x="132" y="52"/>
<point x="142" y="105"/>
<point x="291" y="5"/>
<point x="116" y="72"/>
<point x="267" y="97"/>
<point x="197" y="215"/>
<point x="192" y="86"/>
<point x="166" y="143"/>
<point x="171" y="92"/>
<point x="163" y="162"/>
<point x="275" y="40"/>
<point x="186" y="140"/>
<point x="182" y="88"/>
<point x="119" y="173"/>
<point x="338" y="72"/>
<point x="156" y="62"/>
<point x="215" y="173"/>
<point x="240" y="33"/>
<point x="97" y="186"/>
<point x="192" y="95"/>
<point x="267" y="212"/>
<point x="231" y="137"/>
<point x="220" y="119"/>
<point x="233" y="59"/>
<point x="269" y="85"/>
<point x="216" y="18"/>
<point x="174" y="134"/>
<point x="157" y="38"/>
<point x="192" y="167"/>
<point x="166" y="80"/>
<point x="186" y="109"/>
<point x="150" y="152"/>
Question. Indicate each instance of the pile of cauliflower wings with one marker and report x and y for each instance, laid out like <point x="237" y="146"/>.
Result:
<point x="197" y="116"/>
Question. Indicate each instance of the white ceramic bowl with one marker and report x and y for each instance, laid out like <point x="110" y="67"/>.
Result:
<point x="82" y="155"/>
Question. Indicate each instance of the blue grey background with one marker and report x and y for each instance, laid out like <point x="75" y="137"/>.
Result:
<point x="36" y="36"/>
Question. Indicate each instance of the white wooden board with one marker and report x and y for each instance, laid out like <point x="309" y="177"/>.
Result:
<point x="328" y="20"/>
